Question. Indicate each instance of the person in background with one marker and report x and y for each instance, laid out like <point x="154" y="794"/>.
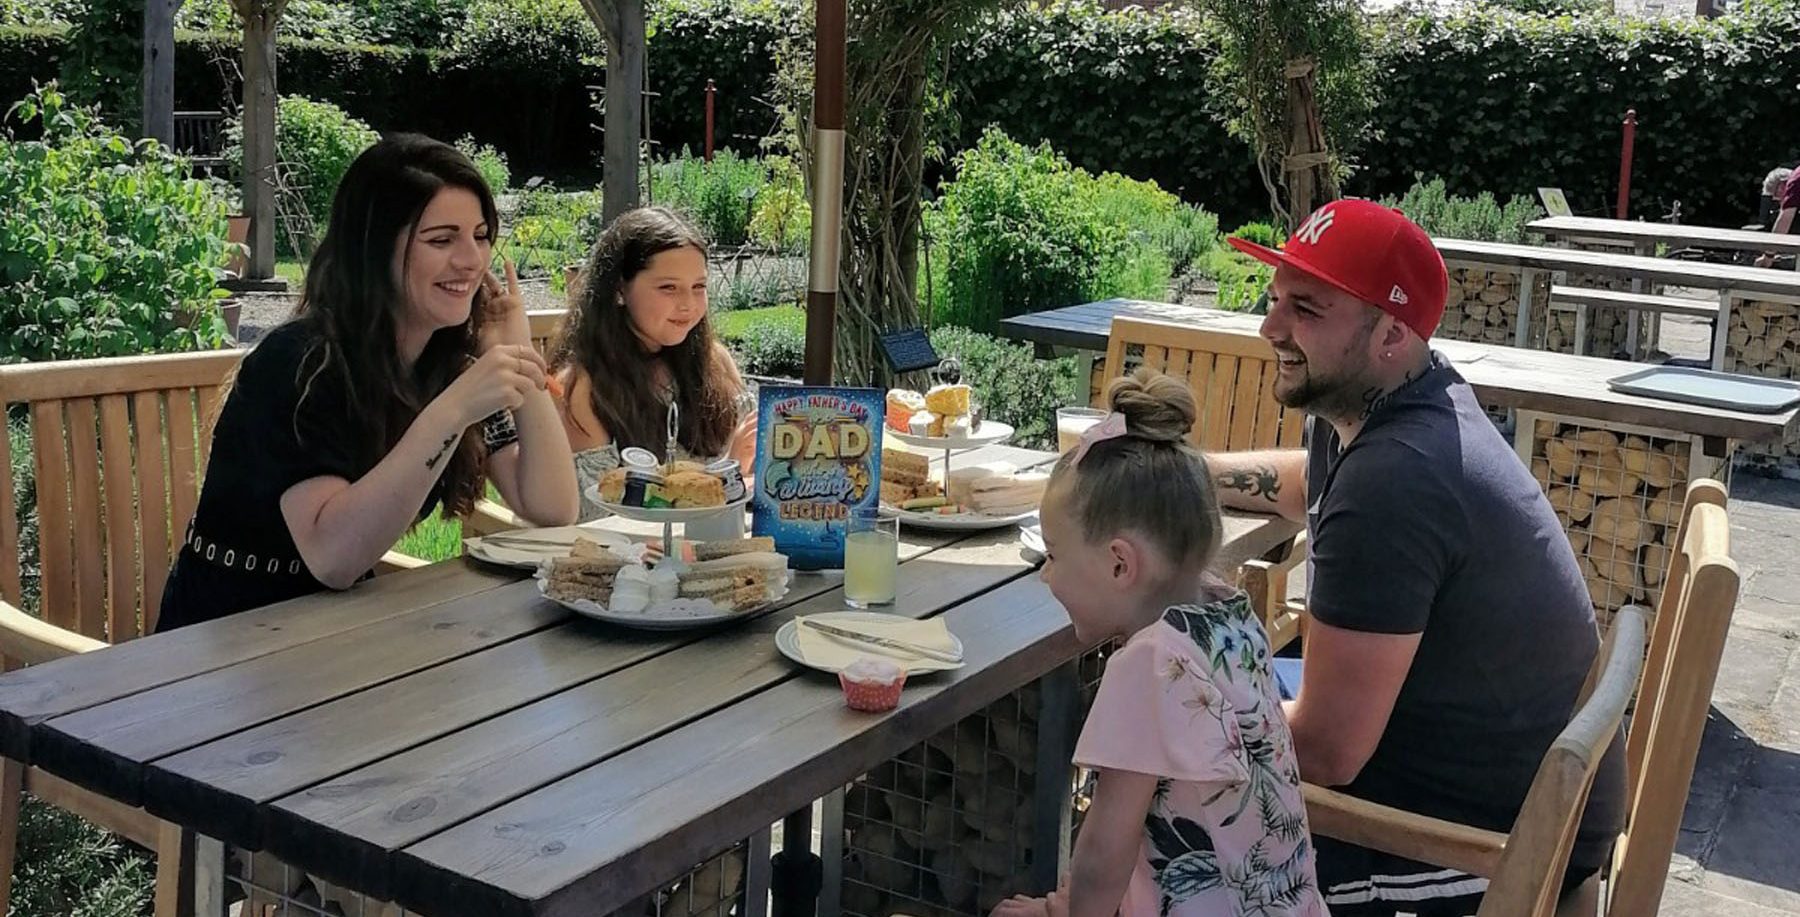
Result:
<point x="637" y="337"/>
<point x="405" y="380"/>
<point x="1449" y="626"/>
<point x="1196" y="809"/>
<point x="1787" y="203"/>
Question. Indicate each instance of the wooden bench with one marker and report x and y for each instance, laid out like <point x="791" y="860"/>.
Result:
<point x="118" y="450"/>
<point x="1583" y="300"/>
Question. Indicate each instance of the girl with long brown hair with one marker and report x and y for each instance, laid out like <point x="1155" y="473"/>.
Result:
<point x="405" y="379"/>
<point x="638" y="337"/>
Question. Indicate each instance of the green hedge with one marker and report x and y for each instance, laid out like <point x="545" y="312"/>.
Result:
<point x="1492" y="101"/>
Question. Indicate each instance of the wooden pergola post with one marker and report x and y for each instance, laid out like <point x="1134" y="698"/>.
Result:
<point x="260" y="17"/>
<point x="158" y="79"/>
<point x="622" y="23"/>
<point x="827" y="188"/>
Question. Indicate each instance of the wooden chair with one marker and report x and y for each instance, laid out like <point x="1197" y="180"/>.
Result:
<point x="1524" y="866"/>
<point x="119" y="448"/>
<point x="1686" y="644"/>
<point x="1232" y="378"/>
<point x="1231" y="375"/>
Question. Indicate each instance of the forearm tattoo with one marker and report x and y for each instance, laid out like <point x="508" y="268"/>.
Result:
<point x="1261" y="480"/>
<point x="443" y="450"/>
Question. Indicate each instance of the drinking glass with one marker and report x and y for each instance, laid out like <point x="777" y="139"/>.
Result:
<point x="1072" y="422"/>
<point x="871" y="560"/>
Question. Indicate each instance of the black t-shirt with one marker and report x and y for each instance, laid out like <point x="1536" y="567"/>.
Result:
<point x="1428" y="523"/>
<point x="238" y="554"/>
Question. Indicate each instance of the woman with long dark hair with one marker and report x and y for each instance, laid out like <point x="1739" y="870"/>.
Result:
<point x="405" y="379"/>
<point x="636" y="338"/>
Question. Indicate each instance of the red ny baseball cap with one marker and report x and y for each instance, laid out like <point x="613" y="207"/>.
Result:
<point x="1372" y="252"/>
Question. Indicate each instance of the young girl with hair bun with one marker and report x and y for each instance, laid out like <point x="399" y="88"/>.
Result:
<point x="1197" y="807"/>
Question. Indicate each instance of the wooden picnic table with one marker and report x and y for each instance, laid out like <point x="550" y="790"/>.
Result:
<point x="447" y="739"/>
<point x="1502" y="376"/>
<point x="1644" y="237"/>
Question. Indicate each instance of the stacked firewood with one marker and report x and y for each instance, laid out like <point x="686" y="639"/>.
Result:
<point x="1619" y="498"/>
<point x="1483" y="305"/>
<point x="945" y="828"/>
<point x="1763" y="339"/>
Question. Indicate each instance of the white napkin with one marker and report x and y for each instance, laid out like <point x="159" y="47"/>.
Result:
<point x="833" y="653"/>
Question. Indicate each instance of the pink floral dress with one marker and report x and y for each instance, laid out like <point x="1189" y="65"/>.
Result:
<point x="1191" y="699"/>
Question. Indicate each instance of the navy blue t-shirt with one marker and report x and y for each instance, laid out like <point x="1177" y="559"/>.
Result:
<point x="1428" y="523"/>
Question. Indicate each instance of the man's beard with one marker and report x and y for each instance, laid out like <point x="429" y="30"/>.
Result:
<point x="1340" y="396"/>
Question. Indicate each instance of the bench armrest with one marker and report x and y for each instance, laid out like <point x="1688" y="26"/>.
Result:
<point x="394" y="561"/>
<point x="490" y="517"/>
<point x="1417" y="837"/>
<point x="31" y="641"/>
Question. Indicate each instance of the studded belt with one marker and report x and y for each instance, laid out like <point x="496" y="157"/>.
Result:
<point x="232" y="558"/>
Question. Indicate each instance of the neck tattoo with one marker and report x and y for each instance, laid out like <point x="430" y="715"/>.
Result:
<point x="1375" y="398"/>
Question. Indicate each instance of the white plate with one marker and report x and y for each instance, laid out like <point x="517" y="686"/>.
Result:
<point x="501" y="548"/>
<point x="644" y="514"/>
<point x="961" y="522"/>
<point x="991" y="432"/>
<point x="681" y="614"/>
<point x="787" y="639"/>
<point x="1031" y="540"/>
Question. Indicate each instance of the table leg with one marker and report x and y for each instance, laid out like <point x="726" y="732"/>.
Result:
<point x="1581" y="329"/>
<point x="757" y="876"/>
<point x="1059" y="712"/>
<point x="1721" y="334"/>
<point x="831" y="850"/>
<point x="209" y="877"/>
<point x="795" y="872"/>
<point x="1527" y="280"/>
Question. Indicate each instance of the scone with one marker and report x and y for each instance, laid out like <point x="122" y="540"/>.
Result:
<point x="684" y="466"/>
<point x="612" y="486"/>
<point x="690" y="489"/>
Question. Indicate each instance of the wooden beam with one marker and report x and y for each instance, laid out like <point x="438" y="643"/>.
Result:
<point x="621" y="22"/>
<point x="158" y="80"/>
<point x="260" y="18"/>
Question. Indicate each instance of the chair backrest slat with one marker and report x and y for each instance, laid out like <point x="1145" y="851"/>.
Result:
<point x="121" y="522"/>
<point x="158" y="539"/>
<point x="1231" y="375"/>
<point x="119" y="448"/>
<point x="1699" y="596"/>
<point x="10" y="585"/>
<point x="1529" y="876"/>
<point x="546" y="324"/>
<point x="90" y="535"/>
<point x="56" y="566"/>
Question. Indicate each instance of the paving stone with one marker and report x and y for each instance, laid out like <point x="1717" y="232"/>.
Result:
<point x="1757" y="857"/>
<point x="1750" y="673"/>
<point x="1685" y="899"/>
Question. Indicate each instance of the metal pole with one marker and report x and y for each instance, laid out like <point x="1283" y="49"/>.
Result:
<point x="711" y="91"/>
<point x="827" y="188"/>
<point x="1625" y="163"/>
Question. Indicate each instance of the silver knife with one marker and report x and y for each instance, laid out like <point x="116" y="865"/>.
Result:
<point x="888" y="642"/>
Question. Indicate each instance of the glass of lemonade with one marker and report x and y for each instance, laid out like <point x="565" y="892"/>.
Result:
<point x="871" y="560"/>
<point x="1072" y="422"/>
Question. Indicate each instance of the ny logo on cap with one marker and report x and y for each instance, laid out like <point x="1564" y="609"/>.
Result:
<point x="1315" y="226"/>
<point x="1397" y="296"/>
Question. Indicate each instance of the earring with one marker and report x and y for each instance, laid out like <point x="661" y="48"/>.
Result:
<point x="1388" y="356"/>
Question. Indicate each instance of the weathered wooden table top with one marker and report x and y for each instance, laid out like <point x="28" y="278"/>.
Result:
<point x="1502" y="376"/>
<point x="447" y="739"/>
<point x="1635" y="231"/>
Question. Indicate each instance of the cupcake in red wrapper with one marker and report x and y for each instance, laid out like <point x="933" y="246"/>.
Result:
<point x="872" y="685"/>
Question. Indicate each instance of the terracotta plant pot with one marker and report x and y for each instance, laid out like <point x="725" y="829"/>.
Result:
<point x="571" y="277"/>
<point x="229" y="309"/>
<point x="237" y="231"/>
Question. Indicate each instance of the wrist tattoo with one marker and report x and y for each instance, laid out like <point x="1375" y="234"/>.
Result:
<point x="1261" y="480"/>
<point x="443" y="450"/>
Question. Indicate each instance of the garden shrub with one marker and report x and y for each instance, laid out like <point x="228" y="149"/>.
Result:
<point x="107" y="247"/>
<point x="720" y="195"/>
<point x="106" y="59"/>
<point x="1021" y="230"/>
<point x="1011" y="384"/>
<point x="772" y="346"/>
<point x="315" y="142"/>
<point x="69" y="868"/>
<point x="491" y="163"/>
<point x="783" y="218"/>
<point x="1481" y="217"/>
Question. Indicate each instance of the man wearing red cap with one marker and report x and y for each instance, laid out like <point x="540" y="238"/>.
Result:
<point x="1450" y="627"/>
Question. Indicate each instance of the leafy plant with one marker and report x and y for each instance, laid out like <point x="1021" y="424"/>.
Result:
<point x="491" y="163"/>
<point x="69" y="868"/>
<point x="1481" y="217"/>
<point x="767" y="342"/>
<point x="39" y="12"/>
<point x="1021" y="230"/>
<point x="106" y="60"/>
<point x="1011" y="384"/>
<point x="720" y="195"/>
<point x="107" y="247"/>
<point x="315" y="142"/>
<point x="1265" y="234"/>
<point x="782" y="220"/>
